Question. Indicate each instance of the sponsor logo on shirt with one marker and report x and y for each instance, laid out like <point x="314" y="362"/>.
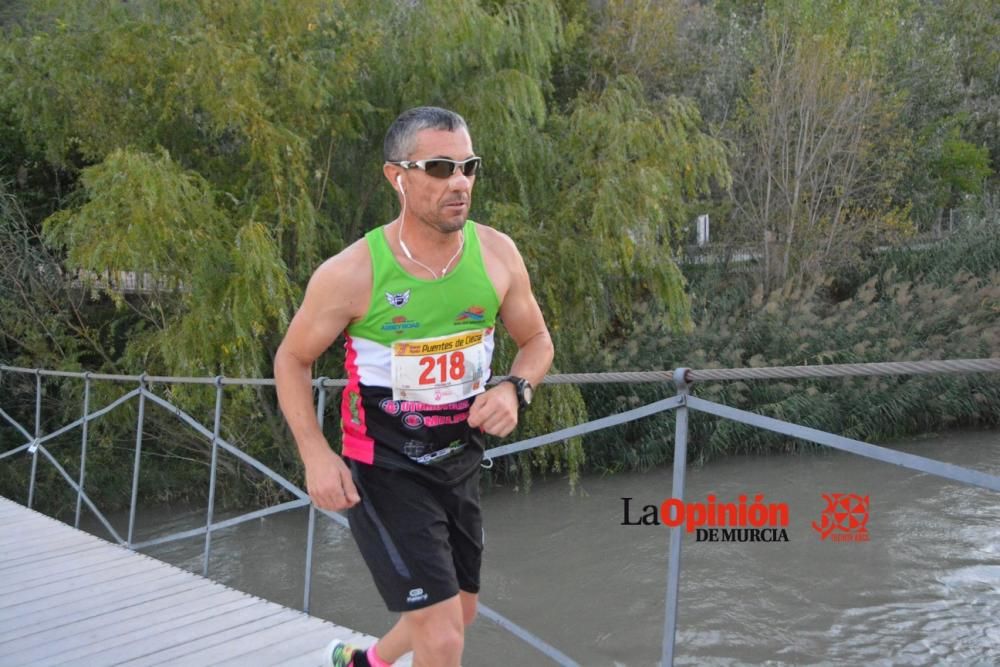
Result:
<point x="471" y="314"/>
<point x="400" y="324"/>
<point x="398" y="300"/>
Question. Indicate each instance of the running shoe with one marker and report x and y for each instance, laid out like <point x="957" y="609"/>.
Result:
<point x="339" y="654"/>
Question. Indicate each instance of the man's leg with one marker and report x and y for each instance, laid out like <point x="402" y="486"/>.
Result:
<point x="400" y="640"/>
<point x="420" y="549"/>
<point x="469" y="603"/>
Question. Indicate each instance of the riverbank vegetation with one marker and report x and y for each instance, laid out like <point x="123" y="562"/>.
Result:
<point x="937" y="302"/>
<point x="216" y="153"/>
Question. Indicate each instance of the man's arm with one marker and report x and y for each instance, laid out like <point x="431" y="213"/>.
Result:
<point x="337" y="293"/>
<point x="496" y="410"/>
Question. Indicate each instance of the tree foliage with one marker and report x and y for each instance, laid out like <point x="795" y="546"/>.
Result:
<point x="817" y="138"/>
<point x="225" y="149"/>
<point x="225" y="146"/>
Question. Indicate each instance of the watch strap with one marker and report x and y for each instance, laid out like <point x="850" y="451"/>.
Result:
<point x="519" y="385"/>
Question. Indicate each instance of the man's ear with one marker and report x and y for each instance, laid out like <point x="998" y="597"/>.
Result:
<point x="394" y="174"/>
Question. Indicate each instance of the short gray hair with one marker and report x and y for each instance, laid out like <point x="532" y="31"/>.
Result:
<point x="402" y="134"/>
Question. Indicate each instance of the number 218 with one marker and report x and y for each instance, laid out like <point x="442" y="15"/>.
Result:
<point x="450" y="366"/>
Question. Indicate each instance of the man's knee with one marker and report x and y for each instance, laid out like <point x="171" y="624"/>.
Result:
<point x="438" y="630"/>
<point x="446" y="641"/>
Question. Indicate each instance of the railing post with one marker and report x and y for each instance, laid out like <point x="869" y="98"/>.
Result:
<point x="83" y="446"/>
<point x="138" y="453"/>
<point x="212" y="475"/>
<point x="38" y="434"/>
<point x="681" y="380"/>
<point x="310" y="539"/>
<point x="311" y="531"/>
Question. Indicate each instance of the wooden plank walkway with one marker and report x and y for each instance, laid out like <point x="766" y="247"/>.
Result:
<point x="70" y="598"/>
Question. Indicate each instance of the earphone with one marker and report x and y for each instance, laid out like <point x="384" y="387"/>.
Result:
<point x="406" y="251"/>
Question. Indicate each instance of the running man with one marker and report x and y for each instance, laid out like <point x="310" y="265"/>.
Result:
<point x="417" y="300"/>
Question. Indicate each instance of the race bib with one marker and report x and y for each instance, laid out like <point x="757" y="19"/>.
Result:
<point x="439" y="370"/>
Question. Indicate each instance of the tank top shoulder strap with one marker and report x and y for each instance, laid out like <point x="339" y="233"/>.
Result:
<point x="381" y="254"/>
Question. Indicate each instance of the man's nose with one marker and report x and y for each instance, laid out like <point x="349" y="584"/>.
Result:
<point x="459" y="181"/>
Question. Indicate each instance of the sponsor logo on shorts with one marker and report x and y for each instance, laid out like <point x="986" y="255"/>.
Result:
<point x="416" y="595"/>
<point x="454" y="448"/>
<point x="412" y="420"/>
<point x="415" y="448"/>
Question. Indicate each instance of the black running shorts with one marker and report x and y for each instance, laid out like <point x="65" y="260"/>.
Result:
<point x="422" y="542"/>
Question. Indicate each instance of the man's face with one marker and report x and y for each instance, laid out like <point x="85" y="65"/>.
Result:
<point x="442" y="203"/>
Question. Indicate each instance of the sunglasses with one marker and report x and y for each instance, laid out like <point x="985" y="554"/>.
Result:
<point x="440" y="167"/>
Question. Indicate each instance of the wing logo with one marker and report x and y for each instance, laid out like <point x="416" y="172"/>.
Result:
<point x="398" y="300"/>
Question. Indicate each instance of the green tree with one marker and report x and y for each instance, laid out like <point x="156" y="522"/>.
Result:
<point x="226" y="149"/>
<point x="944" y="64"/>
<point x="817" y="139"/>
<point x="200" y="122"/>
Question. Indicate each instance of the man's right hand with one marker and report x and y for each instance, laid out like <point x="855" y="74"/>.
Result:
<point x="329" y="482"/>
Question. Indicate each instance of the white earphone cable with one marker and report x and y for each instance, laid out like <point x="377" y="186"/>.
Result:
<point x="409" y="255"/>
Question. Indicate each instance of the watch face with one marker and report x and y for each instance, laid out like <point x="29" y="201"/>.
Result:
<point x="528" y="393"/>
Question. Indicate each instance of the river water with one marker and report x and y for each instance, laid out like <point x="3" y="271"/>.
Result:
<point x="923" y="590"/>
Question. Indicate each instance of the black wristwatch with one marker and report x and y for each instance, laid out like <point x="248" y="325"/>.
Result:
<point x="524" y="390"/>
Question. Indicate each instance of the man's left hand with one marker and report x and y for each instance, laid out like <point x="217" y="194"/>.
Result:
<point x="495" y="410"/>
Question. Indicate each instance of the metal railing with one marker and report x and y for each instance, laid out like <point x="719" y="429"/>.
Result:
<point x="682" y="402"/>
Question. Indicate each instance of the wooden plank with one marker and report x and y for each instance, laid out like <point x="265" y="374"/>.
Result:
<point x="12" y="517"/>
<point x="18" y="555"/>
<point x="131" y="568"/>
<point x="50" y="552"/>
<point x="100" y="560"/>
<point x="7" y="502"/>
<point x="249" y="647"/>
<point x="88" y="594"/>
<point x="58" y="569"/>
<point x="162" y="631"/>
<point x="192" y="637"/>
<point x="31" y="519"/>
<point x="81" y="638"/>
<point x="68" y="597"/>
<point x="67" y="612"/>
<point x="33" y="546"/>
<point x="304" y="647"/>
<point x="50" y="559"/>
<point x="193" y="652"/>
<point x="33" y="535"/>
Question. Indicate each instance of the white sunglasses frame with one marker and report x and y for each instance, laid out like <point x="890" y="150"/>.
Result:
<point x="455" y="164"/>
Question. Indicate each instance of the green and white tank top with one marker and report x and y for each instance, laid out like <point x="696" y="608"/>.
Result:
<point x="415" y="363"/>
